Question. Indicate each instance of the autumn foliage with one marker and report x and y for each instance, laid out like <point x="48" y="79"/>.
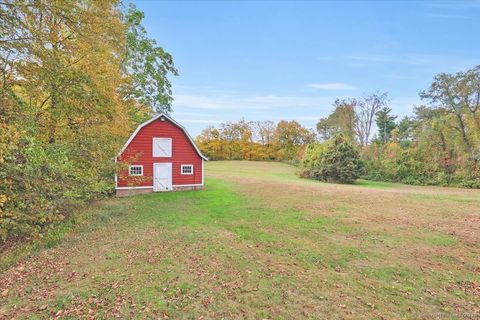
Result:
<point x="261" y="140"/>
<point x="70" y="91"/>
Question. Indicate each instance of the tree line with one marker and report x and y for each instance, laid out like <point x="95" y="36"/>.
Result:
<point x="75" y="78"/>
<point x="439" y="144"/>
<point x="255" y="140"/>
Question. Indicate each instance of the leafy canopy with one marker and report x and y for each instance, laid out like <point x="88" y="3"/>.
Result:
<point x="147" y="64"/>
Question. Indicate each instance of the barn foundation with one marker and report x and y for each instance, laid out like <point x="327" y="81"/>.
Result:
<point x="132" y="192"/>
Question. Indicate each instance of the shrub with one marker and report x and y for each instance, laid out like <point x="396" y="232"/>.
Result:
<point x="335" y="160"/>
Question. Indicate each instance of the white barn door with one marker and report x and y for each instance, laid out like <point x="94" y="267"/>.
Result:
<point x="162" y="177"/>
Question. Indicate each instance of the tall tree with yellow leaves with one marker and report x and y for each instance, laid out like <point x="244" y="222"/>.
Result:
<point x="69" y="96"/>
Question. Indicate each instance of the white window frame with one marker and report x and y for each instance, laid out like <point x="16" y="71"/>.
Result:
<point x="186" y="165"/>
<point x="162" y="156"/>
<point x="135" y="174"/>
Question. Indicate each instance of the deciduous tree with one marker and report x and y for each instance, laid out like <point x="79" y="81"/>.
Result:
<point x="365" y="115"/>
<point x="147" y="65"/>
<point x="290" y="137"/>
<point x="459" y="95"/>
<point x="341" y="120"/>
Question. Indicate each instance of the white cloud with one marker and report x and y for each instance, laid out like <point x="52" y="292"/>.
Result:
<point x="373" y="58"/>
<point x="414" y="61"/>
<point x="188" y="114"/>
<point x="198" y="109"/>
<point x="454" y="5"/>
<point x="396" y="76"/>
<point x="447" y="16"/>
<point x="404" y="106"/>
<point x="331" y="86"/>
<point x="203" y="121"/>
<point x="306" y="118"/>
<point x="251" y="103"/>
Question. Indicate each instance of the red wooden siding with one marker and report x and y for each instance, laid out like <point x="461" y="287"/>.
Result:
<point x="139" y="152"/>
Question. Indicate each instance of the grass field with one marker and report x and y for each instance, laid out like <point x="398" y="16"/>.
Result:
<point x="260" y="243"/>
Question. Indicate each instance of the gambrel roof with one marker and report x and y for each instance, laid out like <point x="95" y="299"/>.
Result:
<point x="152" y="120"/>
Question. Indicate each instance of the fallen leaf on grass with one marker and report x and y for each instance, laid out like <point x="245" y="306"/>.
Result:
<point x="430" y="291"/>
<point x="44" y="307"/>
<point x="206" y="302"/>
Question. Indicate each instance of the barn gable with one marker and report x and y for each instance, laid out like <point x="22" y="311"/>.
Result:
<point x="172" y="121"/>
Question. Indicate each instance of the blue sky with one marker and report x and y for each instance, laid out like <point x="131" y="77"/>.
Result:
<point x="274" y="60"/>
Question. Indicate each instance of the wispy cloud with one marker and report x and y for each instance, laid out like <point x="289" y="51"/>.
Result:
<point x="426" y="61"/>
<point x="201" y="121"/>
<point x="331" y="86"/>
<point x="433" y="62"/>
<point x="447" y="16"/>
<point x="404" y="106"/>
<point x="312" y="118"/>
<point x="242" y="102"/>
<point x="397" y="76"/>
<point x="373" y="58"/>
<point x="198" y="109"/>
<point x="454" y="5"/>
<point x="188" y="114"/>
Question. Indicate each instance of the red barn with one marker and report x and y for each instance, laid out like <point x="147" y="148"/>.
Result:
<point x="159" y="156"/>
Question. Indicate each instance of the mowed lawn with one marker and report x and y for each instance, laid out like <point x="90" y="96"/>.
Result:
<point x="261" y="243"/>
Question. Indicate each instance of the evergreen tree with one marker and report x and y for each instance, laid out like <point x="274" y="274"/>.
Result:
<point x="385" y="123"/>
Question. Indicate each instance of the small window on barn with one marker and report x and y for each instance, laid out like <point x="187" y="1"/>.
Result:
<point x="187" y="168"/>
<point x="135" y="171"/>
<point x="162" y="147"/>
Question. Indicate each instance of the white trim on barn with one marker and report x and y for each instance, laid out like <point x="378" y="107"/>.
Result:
<point x="153" y="119"/>
<point x="203" y="173"/>
<point x="188" y="185"/>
